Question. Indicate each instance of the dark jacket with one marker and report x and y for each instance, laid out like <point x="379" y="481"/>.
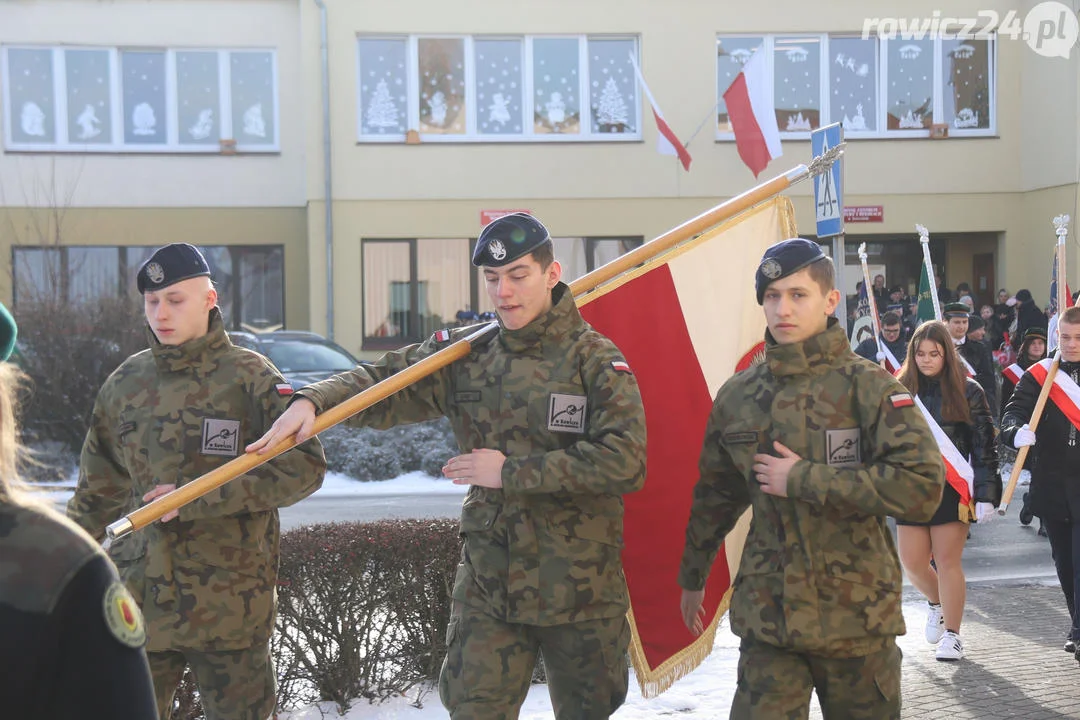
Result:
<point x="1004" y="316"/>
<point x="1007" y="386"/>
<point x="868" y="349"/>
<point x="974" y="440"/>
<point x="1055" y="475"/>
<point x="978" y="355"/>
<point x="1028" y="315"/>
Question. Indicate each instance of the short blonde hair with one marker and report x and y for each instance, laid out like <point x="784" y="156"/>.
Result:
<point x="11" y="452"/>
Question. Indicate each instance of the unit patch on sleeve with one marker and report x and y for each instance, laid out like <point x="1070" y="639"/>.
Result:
<point x="284" y="389"/>
<point x="621" y="366"/>
<point x="900" y="400"/>
<point x="566" y="413"/>
<point x="842" y="446"/>
<point x="442" y="336"/>
<point x="122" y="616"/>
<point x="220" y="437"/>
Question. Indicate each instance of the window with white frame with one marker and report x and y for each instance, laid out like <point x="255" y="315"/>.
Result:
<point x="874" y="87"/>
<point x="497" y="89"/>
<point x="139" y="99"/>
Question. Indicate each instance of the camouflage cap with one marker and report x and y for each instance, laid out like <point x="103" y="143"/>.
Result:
<point x="169" y="265"/>
<point x="506" y="239"/>
<point x="785" y="258"/>
<point x="955" y="310"/>
<point x="9" y="331"/>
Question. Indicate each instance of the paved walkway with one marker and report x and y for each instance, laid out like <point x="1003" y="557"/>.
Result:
<point x="1013" y="667"/>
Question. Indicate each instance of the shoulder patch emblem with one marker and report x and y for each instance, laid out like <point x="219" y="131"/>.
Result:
<point x="900" y="400"/>
<point x="122" y="616"/>
<point x="284" y="389"/>
<point x="220" y="437"/>
<point x="442" y="335"/>
<point x="621" y="366"/>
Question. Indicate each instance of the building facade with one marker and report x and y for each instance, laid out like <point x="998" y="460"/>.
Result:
<point x="440" y="116"/>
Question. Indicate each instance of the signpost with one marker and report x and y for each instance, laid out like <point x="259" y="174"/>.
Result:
<point x="829" y="204"/>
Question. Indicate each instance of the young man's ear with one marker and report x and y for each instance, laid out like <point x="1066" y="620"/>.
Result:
<point x="554" y="274"/>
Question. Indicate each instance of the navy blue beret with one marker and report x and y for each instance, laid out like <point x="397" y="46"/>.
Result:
<point x="504" y="240"/>
<point x="169" y="265"/>
<point x="785" y="258"/>
<point x="8" y="333"/>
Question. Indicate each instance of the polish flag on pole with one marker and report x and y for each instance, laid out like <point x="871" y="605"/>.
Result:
<point x="666" y="141"/>
<point x="753" y="116"/>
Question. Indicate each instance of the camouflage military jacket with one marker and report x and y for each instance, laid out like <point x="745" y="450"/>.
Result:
<point x="170" y="414"/>
<point x="554" y="397"/>
<point x="819" y="572"/>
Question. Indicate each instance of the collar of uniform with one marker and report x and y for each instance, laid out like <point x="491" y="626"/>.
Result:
<point x="177" y="358"/>
<point x="554" y="325"/>
<point x="819" y="351"/>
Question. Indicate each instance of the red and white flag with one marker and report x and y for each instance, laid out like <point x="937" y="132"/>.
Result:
<point x="891" y="363"/>
<point x="666" y="141"/>
<point x="752" y="113"/>
<point x="709" y="331"/>
<point x="958" y="471"/>
<point x="1064" y="393"/>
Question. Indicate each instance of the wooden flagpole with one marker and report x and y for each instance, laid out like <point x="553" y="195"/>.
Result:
<point x="1061" y="225"/>
<point x="155" y="510"/>
<point x="870" y="299"/>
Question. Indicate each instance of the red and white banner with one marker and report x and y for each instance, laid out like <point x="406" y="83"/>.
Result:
<point x="1013" y="373"/>
<point x="958" y="471"/>
<point x="891" y="363"/>
<point x="1064" y="393"/>
<point x="752" y="113"/>
<point x="667" y="143"/>
<point x="707" y="331"/>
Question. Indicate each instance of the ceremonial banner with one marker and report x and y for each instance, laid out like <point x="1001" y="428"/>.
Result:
<point x="1064" y="392"/>
<point x="925" y="310"/>
<point x="686" y="321"/>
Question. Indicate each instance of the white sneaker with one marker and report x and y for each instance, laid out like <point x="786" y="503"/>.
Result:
<point x="935" y="625"/>
<point x="950" y="647"/>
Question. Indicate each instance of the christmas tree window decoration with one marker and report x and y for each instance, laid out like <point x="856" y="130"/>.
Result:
<point x="500" y="86"/>
<point x="909" y="87"/>
<point x="441" y="85"/>
<point x="797" y="83"/>
<point x="556" y="86"/>
<point x="253" y="98"/>
<point x="30" y="87"/>
<point x="731" y="54"/>
<point x="198" y="98"/>
<point x="966" y="83"/>
<point x="89" y="92"/>
<point x="613" y="86"/>
<point x="853" y="81"/>
<point x="142" y="79"/>
<point x="383" y="87"/>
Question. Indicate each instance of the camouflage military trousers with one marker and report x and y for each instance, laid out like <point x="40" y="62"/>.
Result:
<point x="489" y="665"/>
<point x="775" y="684"/>
<point x="233" y="685"/>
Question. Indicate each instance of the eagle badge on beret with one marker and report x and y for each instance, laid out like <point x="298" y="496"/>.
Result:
<point x="497" y="249"/>
<point x="771" y="269"/>
<point x="155" y="272"/>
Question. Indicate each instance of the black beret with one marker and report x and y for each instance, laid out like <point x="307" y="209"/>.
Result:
<point x="504" y="240"/>
<point x="8" y="333"/>
<point x="785" y="258"/>
<point x="975" y="323"/>
<point x="1035" y="332"/>
<point x="170" y="265"/>
<point x="955" y="309"/>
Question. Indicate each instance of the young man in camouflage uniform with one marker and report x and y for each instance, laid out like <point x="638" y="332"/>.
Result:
<point x="822" y="445"/>
<point x="552" y="432"/>
<point x="205" y="575"/>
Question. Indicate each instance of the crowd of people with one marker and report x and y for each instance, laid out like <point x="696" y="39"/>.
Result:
<point x="821" y="444"/>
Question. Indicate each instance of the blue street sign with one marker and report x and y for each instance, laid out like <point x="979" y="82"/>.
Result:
<point x="828" y="188"/>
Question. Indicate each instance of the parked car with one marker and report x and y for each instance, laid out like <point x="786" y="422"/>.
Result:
<point x="302" y="357"/>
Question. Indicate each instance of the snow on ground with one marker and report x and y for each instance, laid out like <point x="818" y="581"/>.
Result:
<point x="335" y="485"/>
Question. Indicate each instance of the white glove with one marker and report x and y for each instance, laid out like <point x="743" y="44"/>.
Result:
<point x="1025" y="436"/>
<point x="880" y="356"/>
<point x="984" y="512"/>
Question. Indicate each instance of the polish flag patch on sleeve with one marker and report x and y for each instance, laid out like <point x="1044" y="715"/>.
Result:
<point x="900" y="400"/>
<point x="621" y="366"/>
<point x="283" y="389"/>
<point x="442" y="336"/>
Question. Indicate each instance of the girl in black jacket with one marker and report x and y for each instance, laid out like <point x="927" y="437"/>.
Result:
<point x="957" y="405"/>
